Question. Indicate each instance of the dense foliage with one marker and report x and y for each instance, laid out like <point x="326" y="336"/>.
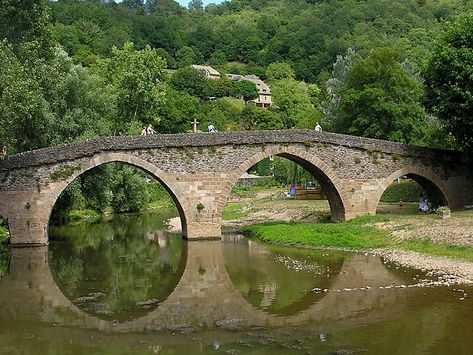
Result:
<point x="307" y="34"/>
<point x="449" y="80"/>
<point x="406" y="191"/>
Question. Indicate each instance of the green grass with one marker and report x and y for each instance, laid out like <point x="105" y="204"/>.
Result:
<point x="343" y="235"/>
<point x="164" y="203"/>
<point x="85" y="214"/>
<point x="235" y="211"/>
<point x="355" y="234"/>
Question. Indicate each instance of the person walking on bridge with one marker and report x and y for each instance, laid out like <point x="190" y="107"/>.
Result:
<point x="149" y="130"/>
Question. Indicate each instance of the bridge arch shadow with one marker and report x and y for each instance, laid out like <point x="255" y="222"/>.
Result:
<point x="432" y="186"/>
<point x="322" y="172"/>
<point x="126" y="159"/>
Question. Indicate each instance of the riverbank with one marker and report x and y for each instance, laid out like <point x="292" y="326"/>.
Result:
<point x="400" y="235"/>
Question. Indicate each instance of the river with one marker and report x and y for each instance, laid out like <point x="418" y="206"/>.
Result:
<point x="125" y="285"/>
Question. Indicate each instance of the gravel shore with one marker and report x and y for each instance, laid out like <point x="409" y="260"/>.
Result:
<point x="449" y="271"/>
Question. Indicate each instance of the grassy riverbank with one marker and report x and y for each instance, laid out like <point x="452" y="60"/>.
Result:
<point x="307" y="223"/>
<point x="381" y="231"/>
<point x="342" y="235"/>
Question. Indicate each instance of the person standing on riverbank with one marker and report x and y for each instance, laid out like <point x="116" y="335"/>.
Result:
<point x="318" y="127"/>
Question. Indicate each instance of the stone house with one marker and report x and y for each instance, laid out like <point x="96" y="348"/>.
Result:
<point x="264" y="98"/>
<point x="209" y="72"/>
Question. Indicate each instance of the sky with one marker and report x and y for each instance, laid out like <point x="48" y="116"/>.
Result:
<point x="206" y="2"/>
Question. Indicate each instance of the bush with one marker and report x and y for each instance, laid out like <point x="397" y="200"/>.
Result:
<point x="406" y="191"/>
<point x="157" y="192"/>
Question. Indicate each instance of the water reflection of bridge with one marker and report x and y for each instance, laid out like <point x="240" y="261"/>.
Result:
<point x="205" y="296"/>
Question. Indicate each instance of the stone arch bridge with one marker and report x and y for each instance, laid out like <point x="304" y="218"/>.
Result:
<point x="201" y="169"/>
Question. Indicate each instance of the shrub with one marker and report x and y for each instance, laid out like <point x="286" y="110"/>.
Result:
<point x="406" y="191"/>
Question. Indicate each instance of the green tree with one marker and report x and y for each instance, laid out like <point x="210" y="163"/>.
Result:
<point x="82" y="106"/>
<point x="279" y="70"/>
<point x="24" y="114"/>
<point x="223" y="113"/>
<point x="129" y="190"/>
<point x="26" y="22"/>
<point x="192" y="81"/>
<point x="135" y="76"/>
<point x="178" y="112"/>
<point x="330" y="97"/>
<point x="221" y="88"/>
<point x="185" y="57"/>
<point x="196" y="5"/>
<point x="292" y="98"/>
<point x="380" y="100"/>
<point x="449" y="80"/>
<point x="258" y="118"/>
<point x="218" y="58"/>
<point x="245" y="89"/>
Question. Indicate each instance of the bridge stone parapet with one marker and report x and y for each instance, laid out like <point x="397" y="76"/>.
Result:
<point x="87" y="148"/>
<point x="201" y="169"/>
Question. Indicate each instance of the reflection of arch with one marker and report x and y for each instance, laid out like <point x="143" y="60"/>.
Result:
<point x="122" y="316"/>
<point x="148" y="168"/>
<point x="327" y="178"/>
<point x="431" y="184"/>
<point x="202" y="297"/>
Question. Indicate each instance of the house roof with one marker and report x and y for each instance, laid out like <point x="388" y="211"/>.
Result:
<point x="262" y="88"/>
<point x="207" y="68"/>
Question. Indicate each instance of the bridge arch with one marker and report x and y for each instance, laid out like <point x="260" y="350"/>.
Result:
<point x="431" y="183"/>
<point x="132" y="160"/>
<point x="322" y="172"/>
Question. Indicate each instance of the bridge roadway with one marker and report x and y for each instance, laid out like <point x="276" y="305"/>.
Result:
<point x="201" y="169"/>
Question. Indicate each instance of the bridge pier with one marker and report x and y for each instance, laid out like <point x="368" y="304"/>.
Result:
<point x="27" y="217"/>
<point x="201" y="231"/>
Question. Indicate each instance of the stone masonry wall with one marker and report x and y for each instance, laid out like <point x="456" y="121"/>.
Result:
<point x="202" y="169"/>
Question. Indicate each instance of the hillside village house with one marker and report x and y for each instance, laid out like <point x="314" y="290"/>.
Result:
<point x="264" y="98"/>
<point x="209" y="72"/>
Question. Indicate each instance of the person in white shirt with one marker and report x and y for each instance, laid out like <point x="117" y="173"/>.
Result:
<point x="318" y="128"/>
<point x="150" y="130"/>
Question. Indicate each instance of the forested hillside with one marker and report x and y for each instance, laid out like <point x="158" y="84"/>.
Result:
<point x="308" y="34"/>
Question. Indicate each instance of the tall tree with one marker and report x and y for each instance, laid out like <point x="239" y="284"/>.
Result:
<point x="135" y="76"/>
<point x="449" y="80"/>
<point x="24" y="114"/>
<point x="24" y="22"/>
<point x="245" y="89"/>
<point x="191" y="81"/>
<point x="380" y="100"/>
<point x="292" y="98"/>
<point x="196" y="5"/>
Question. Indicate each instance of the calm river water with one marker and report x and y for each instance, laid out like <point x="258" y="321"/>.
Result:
<point x="126" y="286"/>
